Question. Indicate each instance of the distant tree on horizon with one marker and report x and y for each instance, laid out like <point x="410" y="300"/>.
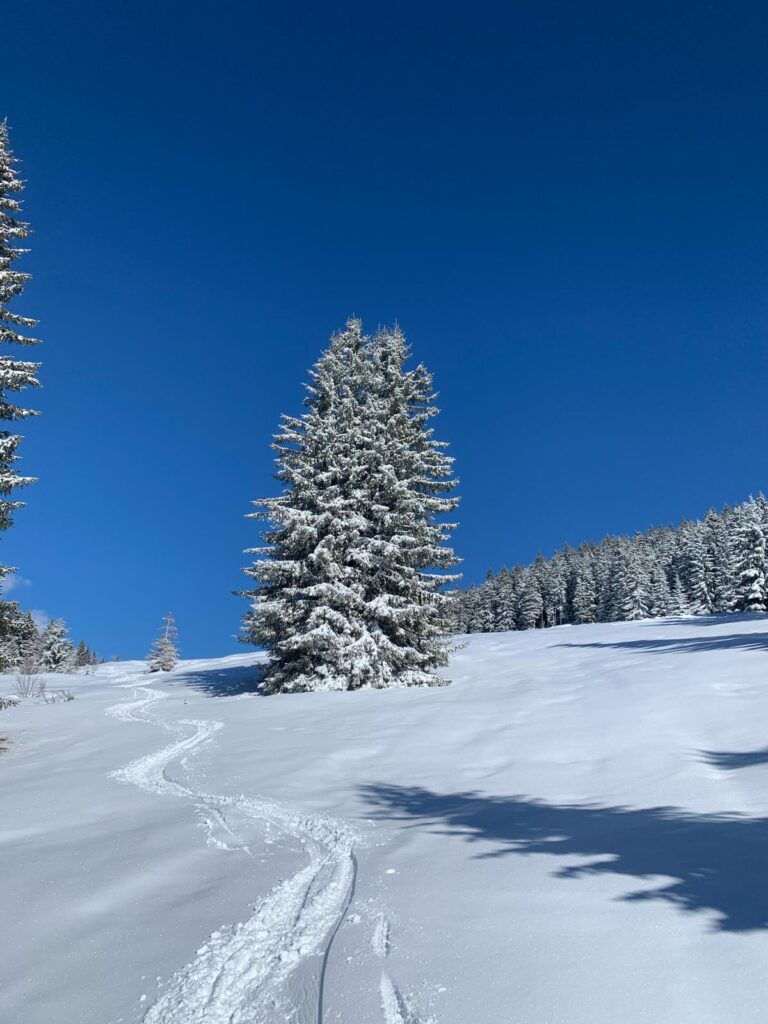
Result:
<point x="84" y="656"/>
<point x="164" y="653"/>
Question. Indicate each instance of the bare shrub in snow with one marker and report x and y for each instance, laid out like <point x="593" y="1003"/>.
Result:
<point x="57" y="696"/>
<point x="29" y="683"/>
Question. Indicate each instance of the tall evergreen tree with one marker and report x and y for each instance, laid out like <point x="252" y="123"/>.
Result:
<point x="349" y="581"/>
<point x="487" y="604"/>
<point x="749" y="559"/>
<point x="584" y="604"/>
<point x="506" y="590"/>
<point x="551" y="576"/>
<point x="465" y="609"/>
<point x="84" y="656"/>
<point x="530" y="603"/>
<point x="611" y="578"/>
<point x="28" y="639"/>
<point x="11" y="619"/>
<point x="719" y="562"/>
<point x="693" y="567"/>
<point x="634" y="587"/>
<point x="22" y="646"/>
<point x="15" y="374"/>
<point x="659" y="595"/>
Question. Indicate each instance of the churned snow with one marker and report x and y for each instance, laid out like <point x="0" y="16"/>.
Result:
<point x="574" y="832"/>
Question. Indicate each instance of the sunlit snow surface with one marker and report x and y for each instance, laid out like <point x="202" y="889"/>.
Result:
<point x="575" y="831"/>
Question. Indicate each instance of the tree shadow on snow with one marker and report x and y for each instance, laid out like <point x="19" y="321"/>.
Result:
<point x="223" y="682"/>
<point x="730" y="760"/>
<point x="695" y="644"/>
<point x="715" y="862"/>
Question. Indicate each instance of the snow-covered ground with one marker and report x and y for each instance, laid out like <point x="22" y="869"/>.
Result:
<point x="575" y="831"/>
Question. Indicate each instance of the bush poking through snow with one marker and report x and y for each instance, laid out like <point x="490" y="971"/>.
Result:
<point x="28" y="682"/>
<point x="56" y="696"/>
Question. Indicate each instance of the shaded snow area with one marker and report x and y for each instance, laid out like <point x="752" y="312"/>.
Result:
<point x="575" y="831"/>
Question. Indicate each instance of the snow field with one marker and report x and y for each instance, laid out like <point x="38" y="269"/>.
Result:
<point x="575" y="831"/>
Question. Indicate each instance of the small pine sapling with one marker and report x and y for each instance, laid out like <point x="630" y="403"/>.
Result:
<point x="164" y="653"/>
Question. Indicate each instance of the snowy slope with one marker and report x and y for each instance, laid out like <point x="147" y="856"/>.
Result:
<point x="575" y="831"/>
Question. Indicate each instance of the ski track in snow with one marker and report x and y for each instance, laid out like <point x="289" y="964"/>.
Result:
<point x="273" y="965"/>
<point x="380" y="937"/>
<point x="394" y="1007"/>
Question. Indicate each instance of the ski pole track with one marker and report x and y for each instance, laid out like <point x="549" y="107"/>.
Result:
<point x="265" y="968"/>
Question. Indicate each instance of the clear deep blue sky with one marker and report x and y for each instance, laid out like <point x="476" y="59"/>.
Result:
<point x="565" y="206"/>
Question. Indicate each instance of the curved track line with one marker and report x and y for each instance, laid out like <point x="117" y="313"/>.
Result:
<point x="266" y="967"/>
<point x="327" y="953"/>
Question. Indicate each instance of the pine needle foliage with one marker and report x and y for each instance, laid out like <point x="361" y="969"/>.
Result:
<point x="15" y="374"/>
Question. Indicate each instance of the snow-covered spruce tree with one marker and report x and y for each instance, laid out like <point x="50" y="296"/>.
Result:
<point x="506" y="591"/>
<point x="84" y="656"/>
<point x="554" y="590"/>
<point x="9" y="642"/>
<point x="164" y="652"/>
<point x="609" y="572"/>
<point x="473" y="611"/>
<point x="659" y="595"/>
<point x="529" y="602"/>
<point x="693" y="563"/>
<point x="487" y="604"/>
<point x="584" y="593"/>
<point x="634" y="587"/>
<point x="19" y="637"/>
<point x="349" y="581"/>
<point x="28" y="639"/>
<point x="463" y="613"/>
<point x="57" y="652"/>
<point x="15" y="374"/>
<point x="719" y="561"/>
<point x="749" y="559"/>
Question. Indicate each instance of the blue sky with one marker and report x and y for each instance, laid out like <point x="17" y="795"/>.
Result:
<point x="564" y="205"/>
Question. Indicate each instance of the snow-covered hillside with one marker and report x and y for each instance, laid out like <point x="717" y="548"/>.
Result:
<point x="575" y="831"/>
